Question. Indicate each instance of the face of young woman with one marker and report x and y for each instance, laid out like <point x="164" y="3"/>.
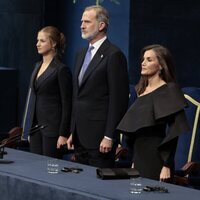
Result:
<point x="44" y="45"/>
<point x="150" y="65"/>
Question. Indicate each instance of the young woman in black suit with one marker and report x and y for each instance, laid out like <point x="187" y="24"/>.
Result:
<point x="49" y="97"/>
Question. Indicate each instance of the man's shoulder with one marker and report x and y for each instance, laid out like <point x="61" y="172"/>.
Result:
<point x="112" y="48"/>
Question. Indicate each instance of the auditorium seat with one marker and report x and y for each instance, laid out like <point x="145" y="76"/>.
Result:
<point x="13" y="140"/>
<point x="187" y="158"/>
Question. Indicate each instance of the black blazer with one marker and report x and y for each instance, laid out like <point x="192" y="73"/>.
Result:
<point x="101" y="100"/>
<point x="49" y="100"/>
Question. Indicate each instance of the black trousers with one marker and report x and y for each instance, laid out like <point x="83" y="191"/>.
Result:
<point x="93" y="157"/>
<point x="44" y="145"/>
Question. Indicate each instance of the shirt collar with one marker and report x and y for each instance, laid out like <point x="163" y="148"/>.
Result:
<point x="97" y="44"/>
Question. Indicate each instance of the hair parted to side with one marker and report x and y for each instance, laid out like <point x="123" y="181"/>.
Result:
<point x="165" y="59"/>
<point x="101" y="14"/>
<point x="55" y="36"/>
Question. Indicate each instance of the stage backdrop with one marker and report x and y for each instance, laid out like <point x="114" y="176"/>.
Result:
<point x="133" y="24"/>
<point x="68" y="19"/>
<point x="19" y="22"/>
<point x="174" y="24"/>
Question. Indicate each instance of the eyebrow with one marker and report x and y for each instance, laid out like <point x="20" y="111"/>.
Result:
<point x="149" y="57"/>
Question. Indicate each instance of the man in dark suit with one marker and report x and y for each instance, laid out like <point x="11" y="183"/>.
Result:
<point x="100" y="93"/>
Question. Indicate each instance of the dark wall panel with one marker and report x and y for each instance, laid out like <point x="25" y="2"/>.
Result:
<point x="8" y="102"/>
<point x="19" y="22"/>
<point x="134" y="24"/>
<point x="174" y="24"/>
<point x="69" y="21"/>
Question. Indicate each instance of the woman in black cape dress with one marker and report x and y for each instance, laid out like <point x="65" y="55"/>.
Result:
<point x="155" y="120"/>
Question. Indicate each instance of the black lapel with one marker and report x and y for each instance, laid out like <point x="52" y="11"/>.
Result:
<point x="34" y="74"/>
<point x="98" y="57"/>
<point x="79" y="63"/>
<point x="47" y="73"/>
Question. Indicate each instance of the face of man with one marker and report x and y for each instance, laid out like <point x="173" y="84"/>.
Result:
<point x="90" y="27"/>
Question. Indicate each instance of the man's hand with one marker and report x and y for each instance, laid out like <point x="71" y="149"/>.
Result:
<point x="106" y="145"/>
<point x="70" y="145"/>
<point x="61" y="141"/>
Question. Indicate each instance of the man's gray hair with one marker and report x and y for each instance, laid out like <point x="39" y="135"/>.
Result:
<point x="101" y="14"/>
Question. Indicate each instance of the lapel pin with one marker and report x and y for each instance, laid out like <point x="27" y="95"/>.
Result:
<point x="101" y="55"/>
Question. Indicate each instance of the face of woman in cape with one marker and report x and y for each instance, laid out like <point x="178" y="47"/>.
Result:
<point x="150" y="65"/>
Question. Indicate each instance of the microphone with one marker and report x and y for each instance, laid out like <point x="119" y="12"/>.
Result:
<point x="14" y="139"/>
<point x="2" y="153"/>
<point x="36" y="128"/>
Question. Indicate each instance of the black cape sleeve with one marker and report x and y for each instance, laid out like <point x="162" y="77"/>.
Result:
<point x="156" y="107"/>
<point x="164" y="105"/>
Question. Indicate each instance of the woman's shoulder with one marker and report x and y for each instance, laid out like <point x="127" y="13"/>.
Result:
<point x="60" y="68"/>
<point x="57" y="61"/>
<point x="169" y="92"/>
<point x="173" y="86"/>
<point x="170" y="99"/>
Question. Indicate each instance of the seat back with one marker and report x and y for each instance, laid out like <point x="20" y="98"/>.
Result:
<point x="188" y="148"/>
<point x="124" y="152"/>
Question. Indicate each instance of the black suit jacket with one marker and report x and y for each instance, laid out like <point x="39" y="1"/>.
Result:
<point x="101" y="100"/>
<point x="49" y="100"/>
